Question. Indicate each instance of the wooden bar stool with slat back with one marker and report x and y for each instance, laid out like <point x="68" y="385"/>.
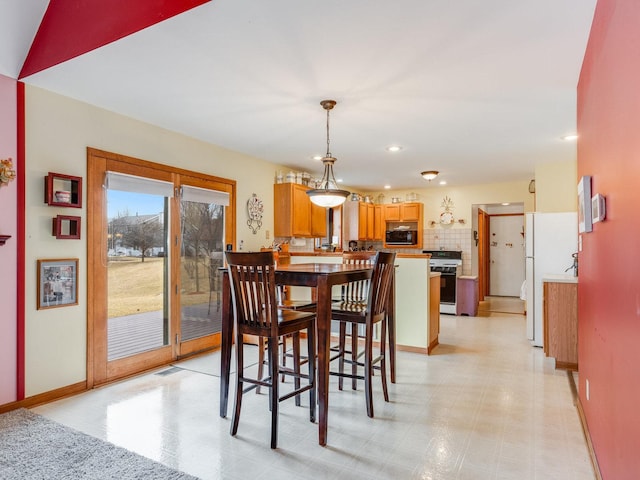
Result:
<point x="353" y="310"/>
<point x="256" y="312"/>
<point x="286" y="303"/>
<point x="354" y="292"/>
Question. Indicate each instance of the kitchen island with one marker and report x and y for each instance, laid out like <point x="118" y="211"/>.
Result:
<point x="414" y="331"/>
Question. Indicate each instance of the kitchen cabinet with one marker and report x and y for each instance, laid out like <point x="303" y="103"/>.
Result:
<point x="359" y="222"/>
<point x="392" y="212"/>
<point x="560" y="322"/>
<point x="403" y="212"/>
<point x="403" y="216"/>
<point x="434" y="311"/>
<point x="295" y="215"/>
<point x="378" y="223"/>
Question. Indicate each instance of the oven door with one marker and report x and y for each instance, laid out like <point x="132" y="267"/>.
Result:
<point x="448" y="288"/>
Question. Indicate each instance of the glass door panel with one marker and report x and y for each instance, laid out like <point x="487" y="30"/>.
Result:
<point x="202" y="245"/>
<point x="137" y="273"/>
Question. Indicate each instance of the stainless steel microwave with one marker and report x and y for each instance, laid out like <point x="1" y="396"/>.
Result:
<point x="401" y="237"/>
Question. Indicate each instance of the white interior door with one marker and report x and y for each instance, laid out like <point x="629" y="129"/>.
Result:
<point x="506" y="253"/>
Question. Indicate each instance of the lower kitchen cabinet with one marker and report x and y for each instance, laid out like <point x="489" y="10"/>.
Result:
<point x="561" y="323"/>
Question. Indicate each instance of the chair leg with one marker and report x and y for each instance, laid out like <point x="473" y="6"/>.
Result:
<point x="260" y="361"/>
<point x="311" y="352"/>
<point x="239" y="385"/>
<point x="342" y="340"/>
<point x="368" y="369"/>
<point x="283" y="355"/>
<point x="354" y="356"/>
<point x="383" y="358"/>
<point x="274" y="395"/>
<point x="296" y="364"/>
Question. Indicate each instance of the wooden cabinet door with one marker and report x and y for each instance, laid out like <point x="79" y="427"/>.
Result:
<point x="560" y="323"/>
<point x="378" y="223"/>
<point x="410" y="212"/>
<point x="370" y="220"/>
<point x="392" y="212"/>
<point x="301" y="212"/>
<point x="318" y="221"/>
<point x="362" y="221"/>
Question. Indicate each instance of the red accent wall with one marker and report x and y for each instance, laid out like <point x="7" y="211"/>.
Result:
<point x="609" y="264"/>
<point x="71" y="28"/>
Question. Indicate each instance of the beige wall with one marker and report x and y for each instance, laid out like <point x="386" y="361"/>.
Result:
<point x="556" y="189"/>
<point x="58" y="131"/>
<point x="464" y="198"/>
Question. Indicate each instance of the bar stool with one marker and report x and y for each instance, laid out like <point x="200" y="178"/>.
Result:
<point x="253" y="289"/>
<point x="369" y="313"/>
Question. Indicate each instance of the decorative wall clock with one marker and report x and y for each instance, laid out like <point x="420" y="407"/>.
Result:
<point x="255" y="209"/>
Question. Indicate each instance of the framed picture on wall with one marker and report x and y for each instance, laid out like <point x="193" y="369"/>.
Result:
<point x="584" y="205"/>
<point x="57" y="283"/>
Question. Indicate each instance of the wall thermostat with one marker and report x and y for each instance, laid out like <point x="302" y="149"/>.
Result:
<point x="598" y="208"/>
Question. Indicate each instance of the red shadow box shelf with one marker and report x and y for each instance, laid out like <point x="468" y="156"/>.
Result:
<point x="66" y="227"/>
<point x="63" y="190"/>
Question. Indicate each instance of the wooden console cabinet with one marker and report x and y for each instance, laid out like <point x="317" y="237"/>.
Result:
<point x="560" y="320"/>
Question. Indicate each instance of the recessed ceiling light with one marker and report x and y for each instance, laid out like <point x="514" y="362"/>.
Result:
<point x="505" y="204"/>
<point x="338" y="180"/>
<point x="570" y="137"/>
<point x="394" y="148"/>
<point x="317" y="157"/>
<point x="443" y="182"/>
<point x="387" y="187"/>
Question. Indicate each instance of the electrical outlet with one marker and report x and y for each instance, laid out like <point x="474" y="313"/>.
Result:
<point x="266" y="234"/>
<point x="587" y="389"/>
<point x="241" y="244"/>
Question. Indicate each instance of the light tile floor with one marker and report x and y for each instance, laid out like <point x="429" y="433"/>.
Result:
<point x="484" y="405"/>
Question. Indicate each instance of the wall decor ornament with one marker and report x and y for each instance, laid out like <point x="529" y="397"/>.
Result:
<point x="7" y="173"/>
<point x="585" y="224"/>
<point x="446" y="217"/>
<point x="255" y="210"/>
<point x="57" y="283"/>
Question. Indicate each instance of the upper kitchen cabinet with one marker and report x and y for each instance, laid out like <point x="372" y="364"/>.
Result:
<point x="406" y="219"/>
<point x="362" y="221"/>
<point x="295" y="215"/>
<point x="403" y="212"/>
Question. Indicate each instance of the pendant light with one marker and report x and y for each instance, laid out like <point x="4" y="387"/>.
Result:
<point x="328" y="195"/>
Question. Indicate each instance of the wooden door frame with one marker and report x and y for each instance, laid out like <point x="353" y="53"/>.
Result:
<point x="99" y="369"/>
<point x="483" y="254"/>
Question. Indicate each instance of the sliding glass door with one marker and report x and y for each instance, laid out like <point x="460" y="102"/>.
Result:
<point x="155" y="240"/>
<point x="202" y="240"/>
<point x="138" y="301"/>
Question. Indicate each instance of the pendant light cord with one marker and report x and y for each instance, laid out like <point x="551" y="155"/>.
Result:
<point x="328" y="149"/>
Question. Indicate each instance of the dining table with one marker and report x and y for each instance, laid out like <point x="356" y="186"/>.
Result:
<point x="322" y="277"/>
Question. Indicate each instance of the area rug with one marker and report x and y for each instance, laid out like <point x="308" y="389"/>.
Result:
<point x="34" y="447"/>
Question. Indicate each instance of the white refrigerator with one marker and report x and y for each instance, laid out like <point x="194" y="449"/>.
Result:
<point x="550" y="240"/>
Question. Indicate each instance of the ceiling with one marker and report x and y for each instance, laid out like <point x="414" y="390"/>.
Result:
<point x="478" y="90"/>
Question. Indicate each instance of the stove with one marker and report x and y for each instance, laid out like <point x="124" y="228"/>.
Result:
<point x="449" y="264"/>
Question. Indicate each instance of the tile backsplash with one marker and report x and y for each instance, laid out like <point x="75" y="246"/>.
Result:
<point x="451" y="239"/>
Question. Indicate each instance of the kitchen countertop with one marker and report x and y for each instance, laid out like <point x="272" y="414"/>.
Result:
<point x="559" y="278"/>
<point x="339" y="254"/>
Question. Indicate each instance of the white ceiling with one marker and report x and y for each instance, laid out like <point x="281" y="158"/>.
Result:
<point x="480" y="90"/>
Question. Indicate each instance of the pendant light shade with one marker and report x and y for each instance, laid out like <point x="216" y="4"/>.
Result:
<point x="328" y="195"/>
